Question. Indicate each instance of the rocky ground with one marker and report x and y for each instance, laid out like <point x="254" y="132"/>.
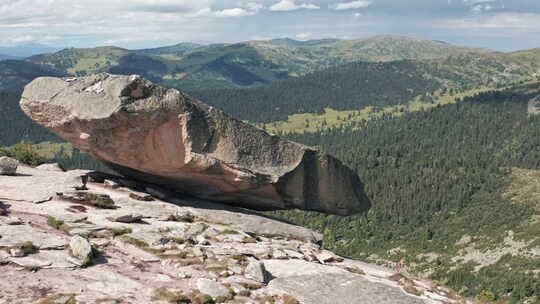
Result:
<point x="141" y="244"/>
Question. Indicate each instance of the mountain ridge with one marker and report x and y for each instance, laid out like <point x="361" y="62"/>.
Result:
<point x="245" y="64"/>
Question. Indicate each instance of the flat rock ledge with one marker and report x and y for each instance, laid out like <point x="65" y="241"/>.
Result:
<point x="180" y="248"/>
<point x="162" y="136"/>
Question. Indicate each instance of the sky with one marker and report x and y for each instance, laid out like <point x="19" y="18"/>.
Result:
<point x="503" y="25"/>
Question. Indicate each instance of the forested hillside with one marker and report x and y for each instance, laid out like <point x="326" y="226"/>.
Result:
<point x="14" y="74"/>
<point x="440" y="183"/>
<point x="357" y="85"/>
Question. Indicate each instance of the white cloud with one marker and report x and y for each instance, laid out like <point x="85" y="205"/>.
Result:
<point x="494" y="22"/>
<point x="253" y="6"/>
<point x="250" y="10"/>
<point x="23" y="39"/>
<point x="482" y="6"/>
<point x="290" y="5"/>
<point x="304" y="36"/>
<point x="233" y="12"/>
<point x="351" y="5"/>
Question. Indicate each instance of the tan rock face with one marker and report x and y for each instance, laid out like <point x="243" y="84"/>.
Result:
<point x="165" y="137"/>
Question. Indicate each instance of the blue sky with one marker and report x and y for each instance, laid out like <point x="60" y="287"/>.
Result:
<point x="499" y="24"/>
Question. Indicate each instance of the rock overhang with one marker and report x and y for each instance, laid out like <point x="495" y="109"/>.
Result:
<point x="163" y="136"/>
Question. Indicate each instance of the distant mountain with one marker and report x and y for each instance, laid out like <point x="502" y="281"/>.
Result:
<point x="357" y="85"/>
<point x="293" y="42"/>
<point x="82" y="61"/>
<point x="247" y="64"/>
<point x="8" y="57"/>
<point x="176" y="49"/>
<point x="27" y="50"/>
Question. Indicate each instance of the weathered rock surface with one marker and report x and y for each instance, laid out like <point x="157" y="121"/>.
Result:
<point x="137" y="262"/>
<point x="128" y="218"/>
<point x="8" y="165"/>
<point x="165" y="137"/>
<point x="212" y="288"/>
<point x="51" y="167"/>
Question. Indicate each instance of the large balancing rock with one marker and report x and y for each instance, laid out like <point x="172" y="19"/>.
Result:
<point x="162" y="136"/>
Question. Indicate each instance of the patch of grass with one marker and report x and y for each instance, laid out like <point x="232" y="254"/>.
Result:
<point x="57" y="224"/>
<point x="311" y="123"/>
<point x="23" y="152"/>
<point x="176" y="256"/>
<point x="249" y="240"/>
<point x="109" y="300"/>
<point x="53" y="299"/>
<point x="251" y="286"/>
<point x="28" y="248"/>
<point x="226" y="298"/>
<point x="101" y="201"/>
<point x="240" y="258"/>
<point x="266" y="299"/>
<point x="171" y="297"/>
<point x="120" y="231"/>
<point x="228" y="232"/>
<point x="412" y="290"/>
<point x="92" y="257"/>
<point x="136" y="242"/>
<point x="186" y="218"/>
<point x="355" y="270"/>
<point x="287" y="299"/>
<point x="201" y="298"/>
<point x="245" y="293"/>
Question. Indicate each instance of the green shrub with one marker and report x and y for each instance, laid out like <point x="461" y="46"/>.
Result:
<point x="22" y="152"/>
<point x="28" y="248"/>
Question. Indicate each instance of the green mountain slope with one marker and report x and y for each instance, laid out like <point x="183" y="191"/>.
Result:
<point x="176" y="49"/>
<point x="453" y="190"/>
<point x="358" y="85"/>
<point x="82" y="61"/>
<point x="15" y="126"/>
<point x="247" y="64"/>
<point x="14" y="74"/>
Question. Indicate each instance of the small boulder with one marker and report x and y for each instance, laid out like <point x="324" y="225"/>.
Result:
<point x="17" y="252"/>
<point x="201" y="240"/>
<point x="55" y="167"/>
<point x="8" y="165"/>
<point x="294" y="254"/>
<point x="81" y="249"/>
<point x="325" y="257"/>
<point x="111" y="183"/>
<point x="129" y="218"/>
<point x="212" y="288"/>
<point x="255" y="270"/>
<point x="11" y="221"/>
<point x="140" y="196"/>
